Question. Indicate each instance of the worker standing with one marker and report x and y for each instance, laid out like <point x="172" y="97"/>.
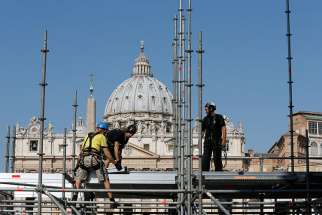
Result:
<point x="214" y="132"/>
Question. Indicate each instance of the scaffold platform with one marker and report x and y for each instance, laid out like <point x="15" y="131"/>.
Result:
<point x="142" y="184"/>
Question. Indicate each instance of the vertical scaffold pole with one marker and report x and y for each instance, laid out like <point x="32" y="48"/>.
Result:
<point x="290" y="82"/>
<point x="189" y="117"/>
<point x="175" y="92"/>
<point x="64" y="162"/>
<point x="7" y="151"/>
<point x="13" y="148"/>
<point x="307" y="173"/>
<point x="74" y="133"/>
<point x="180" y="106"/>
<point x="200" y="86"/>
<point x="42" y="119"/>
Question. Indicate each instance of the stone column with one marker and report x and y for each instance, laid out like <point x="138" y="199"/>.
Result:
<point x="91" y="114"/>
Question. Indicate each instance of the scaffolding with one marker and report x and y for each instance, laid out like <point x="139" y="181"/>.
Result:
<point x="154" y="192"/>
<point x="184" y="190"/>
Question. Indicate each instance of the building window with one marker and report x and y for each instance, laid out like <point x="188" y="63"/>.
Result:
<point x="146" y="147"/>
<point x="320" y="127"/>
<point x="170" y="148"/>
<point x="320" y="148"/>
<point x="314" y="149"/>
<point x="61" y="148"/>
<point x="33" y="145"/>
<point x="168" y="128"/>
<point x="313" y="127"/>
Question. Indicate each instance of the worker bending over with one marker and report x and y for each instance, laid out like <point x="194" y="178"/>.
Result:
<point x="92" y="150"/>
<point x="117" y="140"/>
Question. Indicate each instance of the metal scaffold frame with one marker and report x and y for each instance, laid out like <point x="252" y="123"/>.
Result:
<point x="191" y="191"/>
<point x="42" y="119"/>
<point x="200" y="85"/>
<point x="74" y="130"/>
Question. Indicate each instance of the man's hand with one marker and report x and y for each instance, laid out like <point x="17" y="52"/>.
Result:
<point x="118" y="165"/>
<point x="224" y="145"/>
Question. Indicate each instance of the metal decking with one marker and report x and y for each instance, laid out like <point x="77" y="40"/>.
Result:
<point x="156" y="190"/>
<point x="270" y="185"/>
<point x="141" y="184"/>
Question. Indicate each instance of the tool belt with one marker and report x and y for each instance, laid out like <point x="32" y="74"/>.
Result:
<point x="90" y="161"/>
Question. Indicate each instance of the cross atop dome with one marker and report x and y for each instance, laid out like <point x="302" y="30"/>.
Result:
<point x="142" y="46"/>
<point x="142" y="65"/>
<point x="91" y="85"/>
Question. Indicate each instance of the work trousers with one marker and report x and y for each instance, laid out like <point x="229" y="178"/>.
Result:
<point x="209" y="148"/>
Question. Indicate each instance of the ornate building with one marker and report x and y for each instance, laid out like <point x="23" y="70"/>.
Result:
<point x="26" y="147"/>
<point x="302" y="121"/>
<point x="141" y="99"/>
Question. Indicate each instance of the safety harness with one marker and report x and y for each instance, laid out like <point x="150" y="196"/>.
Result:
<point x="92" y="152"/>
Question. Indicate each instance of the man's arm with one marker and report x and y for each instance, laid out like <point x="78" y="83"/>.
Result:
<point x="117" y="151"/>
<point x="223" y="135"/>
<point x="108" y="155"/>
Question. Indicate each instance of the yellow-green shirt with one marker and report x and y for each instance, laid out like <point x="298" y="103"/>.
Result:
<point x="98" y="142"/>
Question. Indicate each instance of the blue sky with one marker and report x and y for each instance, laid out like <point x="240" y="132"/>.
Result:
<point x="245" y="67"/>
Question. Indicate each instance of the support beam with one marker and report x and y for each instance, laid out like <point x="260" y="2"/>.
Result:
<point x="307" y="175"/>
<point x="290" y="81"/>
<point x="74" y="133"/>
<point x="13" y="149"/>
<point x="55" y="201"/>
<point x="7" y="150"/>
<point x="200" y="86"/>
<point x="189" y="115"/>
<point x="181" y="70"/>
<point x="175" y="94"/>
<point x="42" y="119"/>
<point x="64" y="162"/>
<point x="217" y="203"/>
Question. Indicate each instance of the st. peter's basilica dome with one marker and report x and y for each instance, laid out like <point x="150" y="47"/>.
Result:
<point x="141" y="98"/>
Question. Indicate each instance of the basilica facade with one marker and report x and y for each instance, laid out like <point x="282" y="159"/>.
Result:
<point x="140" y="99"/>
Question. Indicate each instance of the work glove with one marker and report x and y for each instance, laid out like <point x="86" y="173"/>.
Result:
<point x="118" y="165"/>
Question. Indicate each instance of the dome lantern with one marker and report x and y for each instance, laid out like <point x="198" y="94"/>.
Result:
<point x="142" y="65"/>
